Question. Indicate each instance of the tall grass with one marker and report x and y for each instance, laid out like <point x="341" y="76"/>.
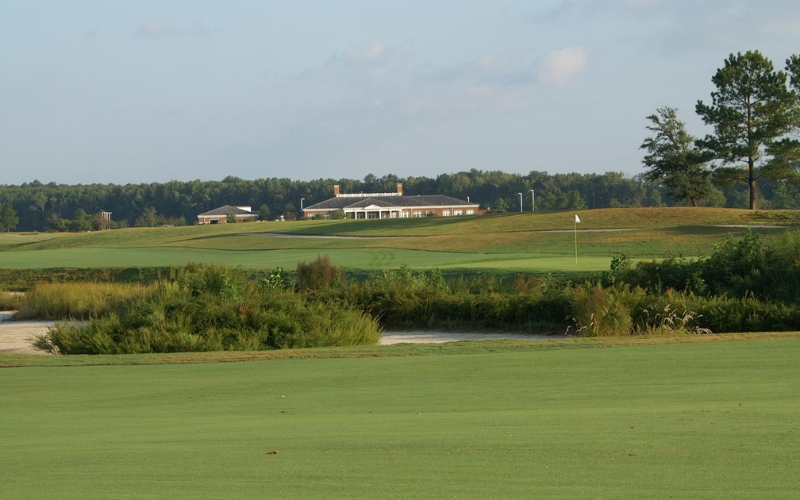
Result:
<point x="55" y="301"/>
<point x="10" y="301"/>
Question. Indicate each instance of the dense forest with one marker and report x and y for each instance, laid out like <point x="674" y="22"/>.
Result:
<point x="60" y="207"/>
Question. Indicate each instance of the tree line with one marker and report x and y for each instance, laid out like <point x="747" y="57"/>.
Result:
<point x="62" y="207"/>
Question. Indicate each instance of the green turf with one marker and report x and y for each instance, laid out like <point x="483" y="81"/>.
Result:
<point x="518" y="242"/>
<point x="373" y="259"/>
<point x="699" y="420"/>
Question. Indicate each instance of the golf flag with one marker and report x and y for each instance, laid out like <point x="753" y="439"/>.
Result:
<point x="577" y="219"/>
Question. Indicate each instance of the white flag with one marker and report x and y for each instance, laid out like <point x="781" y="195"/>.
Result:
<point x="577" y="219"/>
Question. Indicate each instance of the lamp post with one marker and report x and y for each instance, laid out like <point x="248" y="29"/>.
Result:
<point x="301" y="206"/>
<point x="520" y="201"/>
<point x="533" y="201"/>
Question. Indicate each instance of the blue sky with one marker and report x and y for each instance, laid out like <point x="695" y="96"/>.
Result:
<point x="150" y="91"/>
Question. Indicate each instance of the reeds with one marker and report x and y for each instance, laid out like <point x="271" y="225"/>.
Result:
<point x="55" y="301"/>
<point x="10" y="301"/>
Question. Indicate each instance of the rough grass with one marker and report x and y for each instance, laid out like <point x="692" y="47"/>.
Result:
<point x="10" y="301"/>
<point x="699" y="420"/>
<point x="57" y="301"/>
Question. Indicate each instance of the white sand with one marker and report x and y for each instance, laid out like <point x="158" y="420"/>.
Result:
<point x="16" y="336"/>
<point x="421" y="337"/>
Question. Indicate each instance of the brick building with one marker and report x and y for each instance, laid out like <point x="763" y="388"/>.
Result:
<point x="391" y="205"/>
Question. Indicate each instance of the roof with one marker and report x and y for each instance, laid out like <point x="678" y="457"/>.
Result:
<point x="225" y="210"/>
<point x="431" y="200"/>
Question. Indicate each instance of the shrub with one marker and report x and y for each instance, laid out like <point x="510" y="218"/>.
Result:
<point x="318" y="274"/>
<point x="212" y="308"/>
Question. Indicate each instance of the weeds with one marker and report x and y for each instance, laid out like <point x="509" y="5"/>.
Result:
<point x="10" y="301"/>
<point x="55" y="301"/>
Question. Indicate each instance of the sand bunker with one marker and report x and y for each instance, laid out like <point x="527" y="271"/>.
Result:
<point x="16" y="336"/>
<point x="423" y="337"/>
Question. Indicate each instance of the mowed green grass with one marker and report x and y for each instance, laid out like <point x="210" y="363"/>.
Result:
<point x="369" y="259"/>
<point x="694" y="420"/>
<point x="519" y="242"/>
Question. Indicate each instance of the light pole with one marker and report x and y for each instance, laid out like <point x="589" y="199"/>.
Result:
<point x="533" y="201"/>
<point x="301" y="206"/>
<point x="520" y="201"/>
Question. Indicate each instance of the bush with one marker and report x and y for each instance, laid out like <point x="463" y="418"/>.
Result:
<point x="318" y="274"/>
<point x="741" y="268"/>
<point x="213" y="308"/>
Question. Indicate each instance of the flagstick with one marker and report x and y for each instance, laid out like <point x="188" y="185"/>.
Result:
<point x="576" y="241"/>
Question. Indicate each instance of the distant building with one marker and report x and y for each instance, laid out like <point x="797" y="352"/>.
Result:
<point x="391" y="205"/>
<point x="220" y="215"/>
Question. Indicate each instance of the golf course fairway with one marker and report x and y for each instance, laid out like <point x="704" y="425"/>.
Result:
<point x="553" y="420"/>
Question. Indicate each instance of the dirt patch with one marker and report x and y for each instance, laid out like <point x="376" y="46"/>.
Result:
<point x="16" y="336"/>
<point x="423" y="337"/>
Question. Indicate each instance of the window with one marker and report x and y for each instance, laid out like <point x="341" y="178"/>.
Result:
<point x="470" y="212"/>
<point x="417" y="213"/>
<point x="404" y="215"/>
<point x="458" y="212"/>
<point x="445" y="213"/>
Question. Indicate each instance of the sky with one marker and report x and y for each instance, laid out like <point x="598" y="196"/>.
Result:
<point x="151" y="91"/>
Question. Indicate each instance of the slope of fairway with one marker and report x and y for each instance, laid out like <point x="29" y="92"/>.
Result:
<point x="524" y="242"/>
<point x="370" y="259"/>
<point x="712" y="420"/>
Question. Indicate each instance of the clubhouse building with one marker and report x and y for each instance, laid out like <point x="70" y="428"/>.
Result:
<point x="391" y="206"/>
<point x="220" y="215"/>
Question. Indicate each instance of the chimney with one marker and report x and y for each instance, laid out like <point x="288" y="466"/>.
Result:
<point x="336" y="190"/>
<point x="400" y="189"/>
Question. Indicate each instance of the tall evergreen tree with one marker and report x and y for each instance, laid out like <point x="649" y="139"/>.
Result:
<point x="751" y="110"/>
<point x="785" y="161"/>
<point x="673" y="159"/>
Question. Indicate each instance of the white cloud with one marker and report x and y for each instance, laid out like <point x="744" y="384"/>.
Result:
<point x="561" y="66"/>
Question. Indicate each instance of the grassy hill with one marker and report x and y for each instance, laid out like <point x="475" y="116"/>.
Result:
<point x="516" y="241"/>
